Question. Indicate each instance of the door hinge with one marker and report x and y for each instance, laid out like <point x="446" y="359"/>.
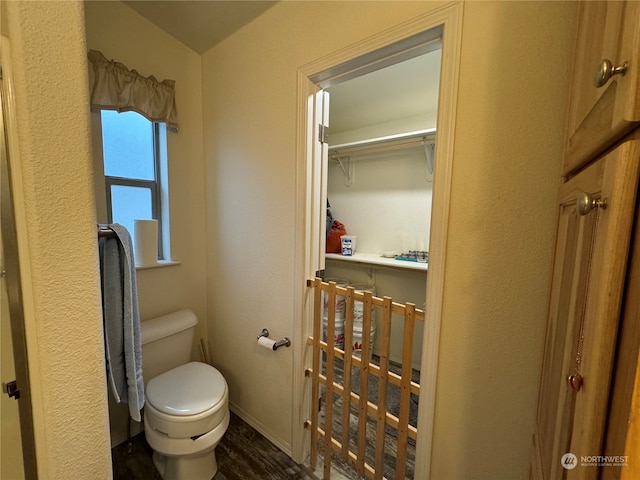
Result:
<point x="323" y="133"/>
<point x="11" y="389"/>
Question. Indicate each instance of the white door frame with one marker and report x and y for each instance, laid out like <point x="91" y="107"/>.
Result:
<point x="448" y="19"/>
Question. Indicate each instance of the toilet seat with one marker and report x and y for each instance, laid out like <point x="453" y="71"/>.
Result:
<point x="186" y="390"/>
<point x="187" y="401"/>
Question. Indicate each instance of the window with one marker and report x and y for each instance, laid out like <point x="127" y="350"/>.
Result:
<point x="132" y="148"/>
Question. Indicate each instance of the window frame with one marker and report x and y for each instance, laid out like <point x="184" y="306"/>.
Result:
<point x="153" y="185"/>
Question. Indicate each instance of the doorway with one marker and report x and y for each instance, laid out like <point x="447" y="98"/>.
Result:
<point x="382" y="132"/>
<point x="408" y="41"/>
<point x="17" y="440"/>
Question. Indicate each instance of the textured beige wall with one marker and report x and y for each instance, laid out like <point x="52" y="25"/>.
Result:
<point x="511" y="104"/>
<point x="513" y="88"/>
<point x="249" y="93"/>
<point x="123" y="35"/>
<point x="62" y="302"/>
<point x="502" y="219"/>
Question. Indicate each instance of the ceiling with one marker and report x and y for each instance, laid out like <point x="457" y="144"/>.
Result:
<point x="199" y="24"/>
<point x="402" y="90"/>
<point x="406" y="89"/>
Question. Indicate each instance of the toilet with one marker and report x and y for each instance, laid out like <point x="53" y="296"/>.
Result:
<point x="186" y="411"/>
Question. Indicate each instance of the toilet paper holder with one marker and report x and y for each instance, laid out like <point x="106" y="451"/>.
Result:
<point x="284" y="342"/>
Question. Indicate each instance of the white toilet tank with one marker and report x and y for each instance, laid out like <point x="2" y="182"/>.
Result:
<point x="166" y="342"/>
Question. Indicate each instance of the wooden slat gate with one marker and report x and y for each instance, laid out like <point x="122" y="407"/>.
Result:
<point x="333" y="369"/>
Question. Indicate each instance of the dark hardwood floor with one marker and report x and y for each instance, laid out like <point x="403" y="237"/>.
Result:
<point x="132" y="460"/>
<point x="243" y="454"/>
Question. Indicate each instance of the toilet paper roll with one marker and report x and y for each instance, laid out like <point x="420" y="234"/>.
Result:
<point x="266" y="342"/>
<point x="145" y="242"/>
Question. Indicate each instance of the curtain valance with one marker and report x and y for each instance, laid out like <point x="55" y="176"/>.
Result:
<point x="115" y="87"/>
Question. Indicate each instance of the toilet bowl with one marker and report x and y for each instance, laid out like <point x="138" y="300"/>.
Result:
<point x="186" y="414"/>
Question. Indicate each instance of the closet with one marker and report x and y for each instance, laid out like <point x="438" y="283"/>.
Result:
<point x="588" y="418"/>
<point x="382" y="130"/>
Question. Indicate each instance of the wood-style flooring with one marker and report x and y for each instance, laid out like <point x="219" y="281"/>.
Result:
<point x="243" y="454"/>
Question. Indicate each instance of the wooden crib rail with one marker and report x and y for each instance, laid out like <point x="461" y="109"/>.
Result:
<point x="350" y="365"/>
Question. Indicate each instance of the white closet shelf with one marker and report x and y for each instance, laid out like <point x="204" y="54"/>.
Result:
<point x="391" y="142"/>
<point x="378" y="259"/>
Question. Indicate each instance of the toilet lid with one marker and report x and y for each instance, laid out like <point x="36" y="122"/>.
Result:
<point x="189" y="389"/>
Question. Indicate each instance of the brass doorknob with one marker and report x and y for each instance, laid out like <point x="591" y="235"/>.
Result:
<point x="606" y="70"/>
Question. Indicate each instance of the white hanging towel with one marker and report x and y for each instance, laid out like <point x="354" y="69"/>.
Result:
<point x="121" y="319"/>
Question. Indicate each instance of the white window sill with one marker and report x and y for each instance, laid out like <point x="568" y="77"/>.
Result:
<point x="160" y="264"/>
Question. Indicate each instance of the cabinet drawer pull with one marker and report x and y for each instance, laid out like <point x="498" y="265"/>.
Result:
<point x="606" y="70"/>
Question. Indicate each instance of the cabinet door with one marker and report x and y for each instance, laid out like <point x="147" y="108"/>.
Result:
<point x="588" y="279"/>
<point x="599" y="116"/>
<point x="622" y="436"/>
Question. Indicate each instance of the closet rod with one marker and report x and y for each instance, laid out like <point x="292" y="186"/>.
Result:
<point x="391" y="142"/>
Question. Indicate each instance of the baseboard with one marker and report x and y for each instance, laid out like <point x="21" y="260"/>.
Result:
<point x="260" y="427"/>
<point x="118" y="437"/>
